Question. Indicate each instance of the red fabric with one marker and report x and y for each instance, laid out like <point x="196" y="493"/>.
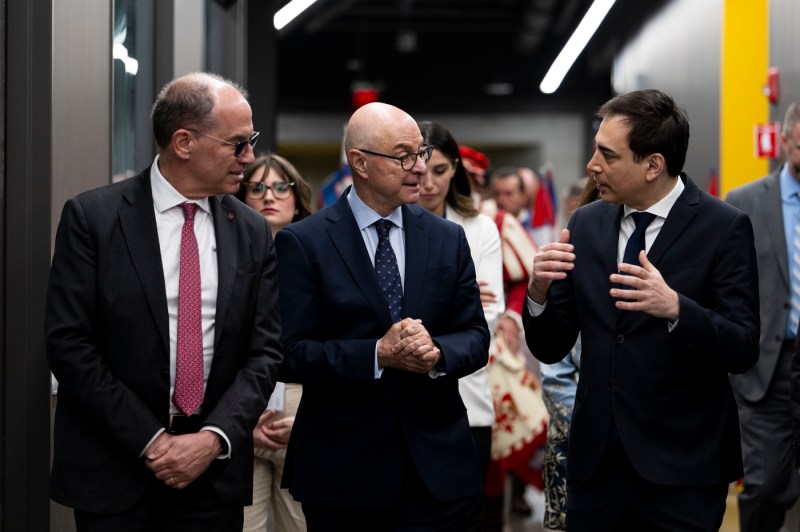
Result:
<point x="189" y="362"/>
<point x="544" y="212"/>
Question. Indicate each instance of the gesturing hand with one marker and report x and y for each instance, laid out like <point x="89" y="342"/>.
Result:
<point x="648" y="293"/>
<point x="550" y="263"/>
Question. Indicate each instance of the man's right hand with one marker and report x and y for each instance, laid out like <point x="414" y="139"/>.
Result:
<point x="550" y="263"/>
<point x="407" y="346"/>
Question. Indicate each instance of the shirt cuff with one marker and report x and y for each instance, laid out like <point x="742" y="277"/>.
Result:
<point x="226" y="451"/>
<point x="378" y="371"/>
<point x="156" y="435"/>
<point x="671" y="326"/>
<point x="535" y="308"/>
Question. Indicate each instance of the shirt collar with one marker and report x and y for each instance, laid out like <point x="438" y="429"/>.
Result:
<point x="165" y="196"/>
<point x="790" y="188"/>
<point x="364" y="214"/>
<point x="662" y="207"/>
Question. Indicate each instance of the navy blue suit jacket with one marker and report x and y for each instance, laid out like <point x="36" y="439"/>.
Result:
<point x="668" y="392"/>
<point x="356" y="438"/>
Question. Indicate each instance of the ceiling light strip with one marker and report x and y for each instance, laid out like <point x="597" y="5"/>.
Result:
<point x="575" y="45"/>
<point x="289" y="12"/>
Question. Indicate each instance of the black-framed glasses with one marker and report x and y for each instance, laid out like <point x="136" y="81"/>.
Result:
<point x="408" y="160"/>
<point x="238" y="147"/>
<point x="258" y="189"/>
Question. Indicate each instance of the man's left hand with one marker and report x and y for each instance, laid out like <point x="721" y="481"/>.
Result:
<point x="415" y="343"/>
<point x="179" y="460"/>
<point x="648" y="293"/>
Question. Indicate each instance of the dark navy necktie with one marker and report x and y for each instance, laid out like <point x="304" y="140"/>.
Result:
<point x="636" y="240"/>
<point x="387" y="270"/>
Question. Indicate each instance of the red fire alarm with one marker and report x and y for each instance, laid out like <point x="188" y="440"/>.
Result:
<point x="766" y="140"/>
<point x="772" y="86"/>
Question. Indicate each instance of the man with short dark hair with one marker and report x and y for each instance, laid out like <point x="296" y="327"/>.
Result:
<point x="162" y="327"/>
<point x="660" y="280"/>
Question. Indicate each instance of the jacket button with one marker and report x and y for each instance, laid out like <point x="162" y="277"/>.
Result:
<point x="620" y="338"/>
<point x="608" y="385"/>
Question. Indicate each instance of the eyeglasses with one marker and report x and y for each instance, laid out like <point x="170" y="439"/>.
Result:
<point x="258" y="189"/>
<point x="238" y="147"/>
<point x="408" y="160"/>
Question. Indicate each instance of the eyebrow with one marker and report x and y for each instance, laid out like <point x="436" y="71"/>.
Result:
<point x="606" y="150"/>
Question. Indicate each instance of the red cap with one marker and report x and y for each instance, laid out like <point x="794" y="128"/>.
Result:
<point x="476" y="158"/>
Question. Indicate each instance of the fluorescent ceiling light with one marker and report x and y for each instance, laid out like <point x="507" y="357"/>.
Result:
<point x="575" y="45"/>
<point x="287" y="13"/>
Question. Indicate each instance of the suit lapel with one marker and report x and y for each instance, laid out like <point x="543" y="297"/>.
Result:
<point x="417" y="242"/>
<point x="346" y="238"/>
<point x="682" y="212"/>
<point x="227" y="237"/>
<point x="139" y="229"/>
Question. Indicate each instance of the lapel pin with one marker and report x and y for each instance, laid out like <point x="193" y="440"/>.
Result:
<point x="230" y="216"/>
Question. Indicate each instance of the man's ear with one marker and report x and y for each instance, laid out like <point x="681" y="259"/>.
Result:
<point x="358" y="163"/>
<point x="182" y="143"/>
<point x="656" y="165"/>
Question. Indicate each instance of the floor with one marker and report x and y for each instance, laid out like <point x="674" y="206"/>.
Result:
<point x="730" y="522"/>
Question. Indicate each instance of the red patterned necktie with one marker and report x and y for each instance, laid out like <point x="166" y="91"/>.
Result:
<point x="189" y="365"/>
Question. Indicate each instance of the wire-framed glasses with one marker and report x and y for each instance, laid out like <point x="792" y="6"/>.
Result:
<point x="408" y="160"/>
<point x="238" y="147"/>
<point x="258" y="189"/>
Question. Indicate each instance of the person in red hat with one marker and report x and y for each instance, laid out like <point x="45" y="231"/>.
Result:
<point x="476" y="164"/>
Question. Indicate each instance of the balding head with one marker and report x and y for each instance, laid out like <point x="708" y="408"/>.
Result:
<point x="188" y="101"/>
<point x="380" y="181"/>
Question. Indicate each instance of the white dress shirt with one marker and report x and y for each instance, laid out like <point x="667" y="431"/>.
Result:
<point x="169" y="222"/>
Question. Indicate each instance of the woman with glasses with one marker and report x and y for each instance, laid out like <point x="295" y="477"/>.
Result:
<point x="445" y="191"/>
<point x="273" y="187"/>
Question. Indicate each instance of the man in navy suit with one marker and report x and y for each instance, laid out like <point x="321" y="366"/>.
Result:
<point x="660" y="280"/>
<point x="381" y="440"/>
<point x="129" y="452"/>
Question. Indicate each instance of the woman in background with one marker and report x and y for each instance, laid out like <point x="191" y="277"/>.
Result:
<point x="273" y="187"/>
<point x="445" y="191"/>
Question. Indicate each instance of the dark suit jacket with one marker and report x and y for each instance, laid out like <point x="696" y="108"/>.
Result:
<point x="356" y="438"/>
<point x="668" y="392"/>
<point x="108" y="344"/>
<point x="761" y="200"/>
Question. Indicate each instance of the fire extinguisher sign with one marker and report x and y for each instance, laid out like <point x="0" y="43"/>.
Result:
<point x="767" y="140"/>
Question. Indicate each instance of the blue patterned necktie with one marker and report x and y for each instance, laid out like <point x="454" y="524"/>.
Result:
<point x="388" y="273"/>
<point x="636" y="240"/>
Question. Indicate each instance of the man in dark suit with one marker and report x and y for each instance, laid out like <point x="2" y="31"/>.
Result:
<point x="665" y="312"/>
<point x="381" y="440"/>
<point x="771" y="483"/>
<point x="162" y="327"/>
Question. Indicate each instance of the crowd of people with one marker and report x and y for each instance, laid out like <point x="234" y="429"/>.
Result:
<point x="419" y="349"/>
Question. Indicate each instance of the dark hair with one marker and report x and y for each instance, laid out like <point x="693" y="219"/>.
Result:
<point x="287" y="171"/>
<point x="655" y="125"/>
<point x="458" y="193"/>
<point x="508" y="171"/>
<point x="186" y="102"/>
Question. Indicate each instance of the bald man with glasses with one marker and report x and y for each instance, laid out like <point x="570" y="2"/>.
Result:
<point x="381" y="316"/>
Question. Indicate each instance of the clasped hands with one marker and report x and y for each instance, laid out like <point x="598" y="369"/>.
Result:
<point x="408" y="346"/>
<point x="647" y="292"/>
<point x="177" y="460"/>
<point x="272" y="435"/>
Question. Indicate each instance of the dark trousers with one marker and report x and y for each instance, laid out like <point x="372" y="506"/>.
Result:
<point x="617" y="499"/>
<point x="165" y="509"/>
<point x="475" y="520"/>
<point x="771" y="483"/>
<point x="415" y="511"/>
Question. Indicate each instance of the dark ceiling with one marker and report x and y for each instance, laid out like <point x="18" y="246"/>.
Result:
<point x="442" y="55"/>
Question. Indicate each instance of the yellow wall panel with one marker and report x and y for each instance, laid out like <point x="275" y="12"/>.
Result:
<point x="745" y="58"/>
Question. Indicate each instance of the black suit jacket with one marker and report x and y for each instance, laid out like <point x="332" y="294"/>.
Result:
<point x="668" y="392"/>
<point x="108" y="344"/>
<point x="355" y="437"/>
